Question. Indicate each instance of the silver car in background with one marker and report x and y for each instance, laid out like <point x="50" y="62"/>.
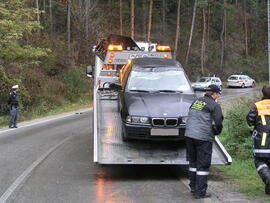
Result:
<point x="204" y="82"/>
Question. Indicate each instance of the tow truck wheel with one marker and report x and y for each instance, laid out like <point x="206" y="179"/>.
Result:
<point x="243" y="85"/>
<point x="124" y="138"/>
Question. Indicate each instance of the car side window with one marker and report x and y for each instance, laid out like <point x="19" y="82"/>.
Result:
<point x="212" y="81"/>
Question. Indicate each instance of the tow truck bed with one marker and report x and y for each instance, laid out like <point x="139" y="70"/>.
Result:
<point x="110" y="149"/>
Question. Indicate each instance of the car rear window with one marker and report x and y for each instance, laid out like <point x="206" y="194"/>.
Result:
<point x="156" y="79"/>
<point x="233" y="78"/>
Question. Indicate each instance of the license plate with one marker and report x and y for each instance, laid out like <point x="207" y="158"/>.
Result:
<point x="164" y="132"/>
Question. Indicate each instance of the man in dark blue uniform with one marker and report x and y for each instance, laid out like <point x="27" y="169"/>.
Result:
<point x="13" y="102"/>
<point x="204" y="122"/>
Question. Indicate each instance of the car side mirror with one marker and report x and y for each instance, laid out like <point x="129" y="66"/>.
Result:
<point x="89" y="71"/>
<point x="116" y="87"/>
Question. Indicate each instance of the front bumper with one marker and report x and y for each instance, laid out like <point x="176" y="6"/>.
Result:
<point x="136" y="131"/>
<point x="199" y="88"/>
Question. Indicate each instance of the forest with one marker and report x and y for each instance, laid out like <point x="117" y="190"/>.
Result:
<point x="45" y="45"/>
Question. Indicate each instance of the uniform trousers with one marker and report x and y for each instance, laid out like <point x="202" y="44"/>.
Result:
<point x="199" y="155"/>
<point x="14" y="115"/>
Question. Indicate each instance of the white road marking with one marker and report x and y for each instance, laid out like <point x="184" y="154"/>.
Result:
<point x="33" y="123"/>
<point x="22" y="178"/>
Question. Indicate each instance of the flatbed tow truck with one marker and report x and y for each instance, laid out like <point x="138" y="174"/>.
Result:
<point x="109" y="148"/>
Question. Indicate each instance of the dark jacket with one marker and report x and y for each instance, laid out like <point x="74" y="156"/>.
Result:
<point x="254" y="120"/>
<point x="204" y="119"/>
<point x="259" y="118"/>
<point x="13" y="100"/>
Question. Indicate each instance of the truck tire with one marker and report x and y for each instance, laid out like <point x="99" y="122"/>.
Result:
<point x="124" y="138"/>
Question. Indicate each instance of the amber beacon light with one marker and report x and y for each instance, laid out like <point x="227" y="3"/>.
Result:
<point x="163" y="48"/>
<point x="113" y="47"/>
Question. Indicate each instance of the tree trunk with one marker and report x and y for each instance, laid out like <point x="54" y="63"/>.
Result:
<point x="245" y="26"/>
<point x="177" y="29"/>
<point x="203" y="41"/>
<point x="208" y="30"/>
<point x="121" y="17"/>
<point x="44" y="7"/>
<point x="87" y="7"/>
<point x="150" y="20"/>
<point x="68" y="25"/>
<point x="37" y="7"/>
<point x="51" y="15"/>
<point x="191" y="31"/>
<point x="222" y="38"/>
<point x="132" y="19"/>
<point x="145" y="19"/>
<point x="163" y="20"/>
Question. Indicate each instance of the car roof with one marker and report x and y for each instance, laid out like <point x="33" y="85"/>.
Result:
<point x="156" y="62"/>
<point x="237" y="75"/>
<point x="209" y="77"/>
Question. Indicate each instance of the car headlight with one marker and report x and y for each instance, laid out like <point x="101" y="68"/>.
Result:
<point x="184" y="119"/>
<point x="137" y="119"/>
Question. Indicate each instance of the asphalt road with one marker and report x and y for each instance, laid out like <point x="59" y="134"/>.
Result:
<point x="52" y="161"/>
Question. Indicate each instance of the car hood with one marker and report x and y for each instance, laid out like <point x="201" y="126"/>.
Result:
<point x="201" y="83"/>
<point x="158" y="104"/>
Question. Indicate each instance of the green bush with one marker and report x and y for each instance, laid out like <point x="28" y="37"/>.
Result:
<point x="74" y="84"/>
<point x="236" y="136"/>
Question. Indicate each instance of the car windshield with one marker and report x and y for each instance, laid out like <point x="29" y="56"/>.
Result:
<point x="204" y="80"/>
<point x="233" y="78"/>
<point x="158" y="79"/>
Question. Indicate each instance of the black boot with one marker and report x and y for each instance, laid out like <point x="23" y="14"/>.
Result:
<point x="267" y="187"/>
<point x="265" y="176"/>
<point x="192" y="179"/>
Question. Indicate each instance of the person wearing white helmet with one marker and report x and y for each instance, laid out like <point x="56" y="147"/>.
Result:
<point x="13" y="102"/>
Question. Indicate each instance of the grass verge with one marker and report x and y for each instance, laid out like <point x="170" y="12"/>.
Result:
<point x="243" y="174"/>
<point x="237" y="140"/>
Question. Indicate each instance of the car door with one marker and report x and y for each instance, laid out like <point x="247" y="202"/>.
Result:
<point x="242" y="80"/>
<point x="213" y="81"/>
<point x="249" y="81"/>
<point x="217" y="82"/>
<point x="121" y="93"/>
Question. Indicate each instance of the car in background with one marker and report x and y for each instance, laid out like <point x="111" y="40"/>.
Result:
<point x="154" y="99"/>
<point x="240" y="81"/>
<point x="204" y="82"/>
